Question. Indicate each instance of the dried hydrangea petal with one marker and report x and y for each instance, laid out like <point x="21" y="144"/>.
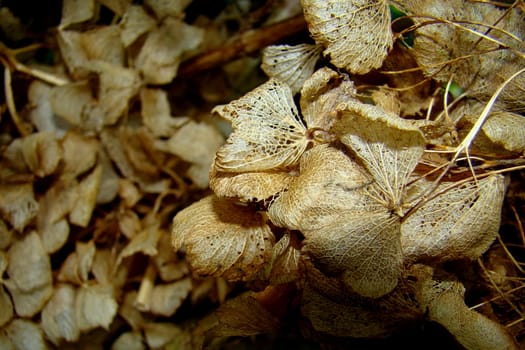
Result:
<point x="135" y="22"/>
<point x="166" y="298"/>
<point x="249" y="186"/>
<point x="161" y="54"/>
<point x="58" y="316"/>
<point x="459" y="223"/>
<point x="42" y="152"/>
<point x="292" y="64"/>
<point x="267" y="130"/>
<point x="25" y="334"/>
<point x="74" y="11"/>
<point x="18" y="205"/>
<point x="95" y="306"/>
<point x="356" y="34"/>
<point x="389" y="147"/>
<point x="223" y="239"/>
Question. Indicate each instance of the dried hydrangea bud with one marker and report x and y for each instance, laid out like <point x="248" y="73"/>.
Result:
<point x="267" y="130"/>
<point x="290" y="64"/>
<point x="356" y="34"/>
<point x="221" y="238"/>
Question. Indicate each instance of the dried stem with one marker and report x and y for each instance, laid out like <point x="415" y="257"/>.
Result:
<point x="248" y="42"/>
<point x="143" y="302"/>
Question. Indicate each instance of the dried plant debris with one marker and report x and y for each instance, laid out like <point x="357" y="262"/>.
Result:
<point x="371" y="182"/>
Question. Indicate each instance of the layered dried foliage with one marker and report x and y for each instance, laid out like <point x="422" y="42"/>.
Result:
<point x="373" y="182"/>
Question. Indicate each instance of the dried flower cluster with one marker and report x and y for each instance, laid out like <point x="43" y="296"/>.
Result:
<point x="351" y="185"/>
<point x="332" y="197"/>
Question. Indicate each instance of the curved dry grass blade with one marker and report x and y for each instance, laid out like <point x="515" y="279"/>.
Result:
<point x="267" y="130"/>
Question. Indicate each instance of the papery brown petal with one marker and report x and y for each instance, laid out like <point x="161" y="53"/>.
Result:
<point x="74" y="11"/>
<point x="6" y="306"/>
<point x="321" y="94"/>
<point x="162" y="51"/>
<point x="356" y="34"/>
<point x="290" y="64"/>
<point x="28" y="304"/>
<point x="54" y="235"/>
<point x="17" y="204"/>
<point x="29" y="265"/>
<point x="156" y="113"/>
<point x="58" y="316"/>
<point x="164" y="8"/>
<point x="267" y="131"/>
<point x="129" y="341"/>
<point x="77" y="266"/>
<point x="389" y="147"/>
<point x="42" y="152"/>
<point x="460" y="223"/>
<point x="95" y="306"/>
<point x="223" y="239"/>
<point x="79" y="153"/>
<point x="159" y="334"/>
<point x="25" y="334"/>
<point x="135" y="22"/>
<point x="249" y="186"/>
<point x="87" y="191"/>
<point x="166" y="298"/>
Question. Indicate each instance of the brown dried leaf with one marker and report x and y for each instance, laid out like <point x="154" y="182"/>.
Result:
<point x="163" y="50"/>
<point x="267" y="130"/>
<point x="223" y="239"/>
<point x="459" y="223"/>
<point x="249" y="186"/>
<point x="389" y="147"/>
<point x="58" y="316"/>
<point x="95" y="306"/>
<point x="75" y="11"/>
<point x="290" y="64"/>
<point x="356" y="34"/>
<point x="42" y="152"/>
<point x="135" y="22"/>
<point x="17" y="204"/>
<point x="166" y="298"/>
<point x="25" y="334"/>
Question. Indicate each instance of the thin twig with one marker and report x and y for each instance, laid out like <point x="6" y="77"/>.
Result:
<point x="247" y="43"/>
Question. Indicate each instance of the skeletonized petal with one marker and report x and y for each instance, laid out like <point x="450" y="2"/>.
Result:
<point x="292" y="64"/>
<point x="459" y="223"/>
<point x="267" y="130"/>
<point x="221" y="238"/>
<point x="355" y="33"/>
